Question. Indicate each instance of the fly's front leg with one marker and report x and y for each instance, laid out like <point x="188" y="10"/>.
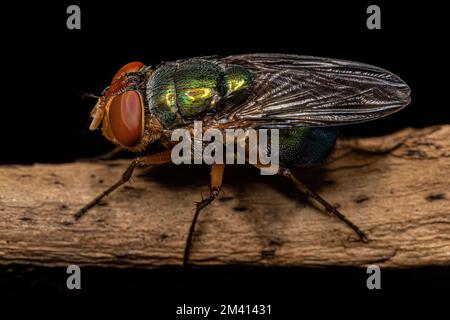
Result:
<point x="300" y="186"/>
<point x="149" y="160"/>
<point x="216" y="183"/>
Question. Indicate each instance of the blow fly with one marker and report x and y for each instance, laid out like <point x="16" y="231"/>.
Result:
<point x="306" y="98"/>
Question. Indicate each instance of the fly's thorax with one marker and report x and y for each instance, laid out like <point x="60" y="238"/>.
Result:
<point x="178" y="92"/>
<point x="161" y="94"/>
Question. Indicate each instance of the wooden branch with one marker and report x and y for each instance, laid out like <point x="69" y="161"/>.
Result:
<point x="397" y="188"/>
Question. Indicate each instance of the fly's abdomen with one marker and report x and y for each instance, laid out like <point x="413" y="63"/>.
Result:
<point x="305" y="146"/>
<point x="177" y="92"/>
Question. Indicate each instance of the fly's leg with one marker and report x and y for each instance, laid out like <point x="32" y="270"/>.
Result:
<point x="149" y="160"/>
<point x="125" y="177"/>
<point x="216" y="183"/>
<point x="300" y="186"/>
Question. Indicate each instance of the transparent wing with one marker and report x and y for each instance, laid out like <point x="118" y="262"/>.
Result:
<point x="291" y="90"/>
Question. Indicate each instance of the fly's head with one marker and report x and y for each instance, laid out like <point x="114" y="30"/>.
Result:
<point x="121" y="110"/>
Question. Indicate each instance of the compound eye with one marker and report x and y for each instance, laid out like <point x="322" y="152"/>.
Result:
<point x="129" y="67"/>
<point x="126" y="118"/>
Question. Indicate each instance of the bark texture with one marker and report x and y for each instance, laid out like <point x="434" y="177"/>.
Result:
<point x="396" y="188"/>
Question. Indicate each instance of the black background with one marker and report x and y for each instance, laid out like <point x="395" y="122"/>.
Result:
<point x="47" y="68"/>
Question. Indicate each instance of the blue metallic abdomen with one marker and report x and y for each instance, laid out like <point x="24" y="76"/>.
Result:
<point x="306" y="146"/>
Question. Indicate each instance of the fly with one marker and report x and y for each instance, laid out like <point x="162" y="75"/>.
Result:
<point x="307" y="98"/>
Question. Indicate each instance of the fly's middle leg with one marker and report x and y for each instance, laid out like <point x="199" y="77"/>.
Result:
<point x="217" y="171"/>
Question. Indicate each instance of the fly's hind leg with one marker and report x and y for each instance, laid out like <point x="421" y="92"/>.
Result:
<point x="149" y="160"/>
<point x="216" y="183"/>
<point x="300" y="186"/>
<point x="314" y="197"/>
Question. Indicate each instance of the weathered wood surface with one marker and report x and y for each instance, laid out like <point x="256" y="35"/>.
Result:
<point x="397" y="190"/>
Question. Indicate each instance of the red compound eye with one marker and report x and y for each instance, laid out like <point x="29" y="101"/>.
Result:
<point x="125" y="118"/>
<point x="119" y="81"/>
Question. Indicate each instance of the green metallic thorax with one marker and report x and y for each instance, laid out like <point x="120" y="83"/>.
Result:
<point x="179" y="91"/>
